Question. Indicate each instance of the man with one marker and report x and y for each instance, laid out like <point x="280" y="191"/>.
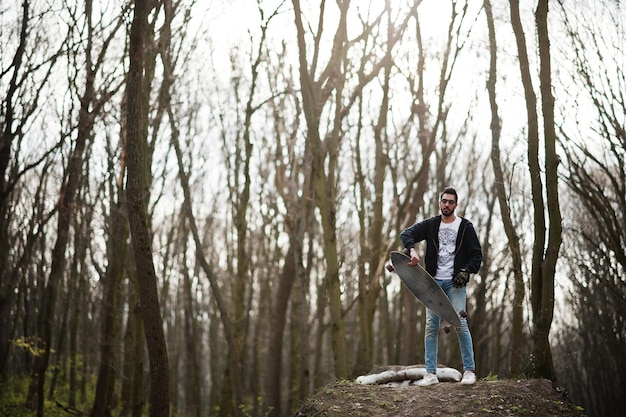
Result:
<point x="453" y="252"/>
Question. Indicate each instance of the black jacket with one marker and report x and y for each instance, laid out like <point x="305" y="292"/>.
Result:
<point x="469" y="254"/>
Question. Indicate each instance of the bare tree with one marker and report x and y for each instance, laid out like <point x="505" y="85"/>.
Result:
<point x="596" y="178"/>
<point x="411" y="166"/>
<point x="324" y="161"/>
<point x="138" y="194"/>
<point x="239" y="184"/>
<point x="324" y="181"/>
<point x="117" y="245"/>
<point x="505" y="211"/>
<point x="91" y="103"/>
<point x="206" y="267"/>
<point x="545" y="250"/>
<point x="372" y="247"/>
<point x="542" y="298"/>
<point x="18" y="107"/>
<point x="132" y="390"/>
<point x="297" y="196"/>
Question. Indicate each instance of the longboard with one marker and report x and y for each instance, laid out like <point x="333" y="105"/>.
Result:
<point x="425" y="289"/>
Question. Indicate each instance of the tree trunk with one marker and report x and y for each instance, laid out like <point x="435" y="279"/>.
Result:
<point x="74" y="283"/>
<point x="483" y="324"/>
<point x="409" y="339"/>
<point x="8" y="279"/>
<point x="301" y="372"/>
<point x="320" y="336"/>
<point x="372" y="244"/>
<point x="299" y="213"/>
<point x="228" y="397"/>
<point x="35" y="398"/>
<point x="543" y="288"/>
<point x="116" y="250"/>
<point x="193" y="379"/>
<point x="505" y="211"/>
<point x="138" y="194"/>
<point x="132" y="397"/>
<point x="76" y="311"/>
<point x="324" y="184"/>
<point x="278" y="321"/>
<point x="534" y="166"/>
<point x="75" y="302"/>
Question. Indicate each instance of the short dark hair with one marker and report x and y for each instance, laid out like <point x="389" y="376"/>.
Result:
<point x="450" y="190"/>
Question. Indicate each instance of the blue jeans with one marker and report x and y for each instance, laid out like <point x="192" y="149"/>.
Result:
<point x="457" y="297"/>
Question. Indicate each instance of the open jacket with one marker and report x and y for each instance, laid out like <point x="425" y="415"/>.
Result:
<point x="468" y="256"/>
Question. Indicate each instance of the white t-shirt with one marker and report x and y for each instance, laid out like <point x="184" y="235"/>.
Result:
<point x="447" y="246"/>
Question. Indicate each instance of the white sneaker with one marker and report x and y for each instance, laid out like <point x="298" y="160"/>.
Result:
<point x="429" y="379"/>
<point x="469" y="378"/>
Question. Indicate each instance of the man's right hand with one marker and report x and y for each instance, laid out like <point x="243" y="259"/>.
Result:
<point x="414" y="258"/>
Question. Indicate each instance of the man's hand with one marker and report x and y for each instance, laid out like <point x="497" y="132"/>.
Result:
<point x="461" y="279"/>
<point x="414" y="258"/>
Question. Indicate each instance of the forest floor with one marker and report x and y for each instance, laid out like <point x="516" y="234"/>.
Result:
<point x="524" y="397"/>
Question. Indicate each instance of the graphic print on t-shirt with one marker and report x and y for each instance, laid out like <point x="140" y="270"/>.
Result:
<point x="447" y="246"/>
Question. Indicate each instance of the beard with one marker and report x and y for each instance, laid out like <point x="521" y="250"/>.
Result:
<point x="447" y="212"/>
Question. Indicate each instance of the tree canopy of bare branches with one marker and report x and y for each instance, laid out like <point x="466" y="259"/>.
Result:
<point x="198" y="199"/>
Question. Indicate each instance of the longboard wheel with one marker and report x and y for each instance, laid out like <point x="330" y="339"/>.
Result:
<point x="389" y="267"/>
<point x="446" y="329"/>
<point x="463" y="314"/>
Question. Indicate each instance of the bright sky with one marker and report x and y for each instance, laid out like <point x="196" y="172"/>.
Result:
<point x="230" y="20"/>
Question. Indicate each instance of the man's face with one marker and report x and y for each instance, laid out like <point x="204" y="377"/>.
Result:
<point x="447" y="204"/>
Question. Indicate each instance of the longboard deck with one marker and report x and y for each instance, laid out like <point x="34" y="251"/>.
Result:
<point x="425" y="288"/>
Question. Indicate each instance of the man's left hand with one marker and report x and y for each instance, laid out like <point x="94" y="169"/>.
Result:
<point x="461" y="279"/>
